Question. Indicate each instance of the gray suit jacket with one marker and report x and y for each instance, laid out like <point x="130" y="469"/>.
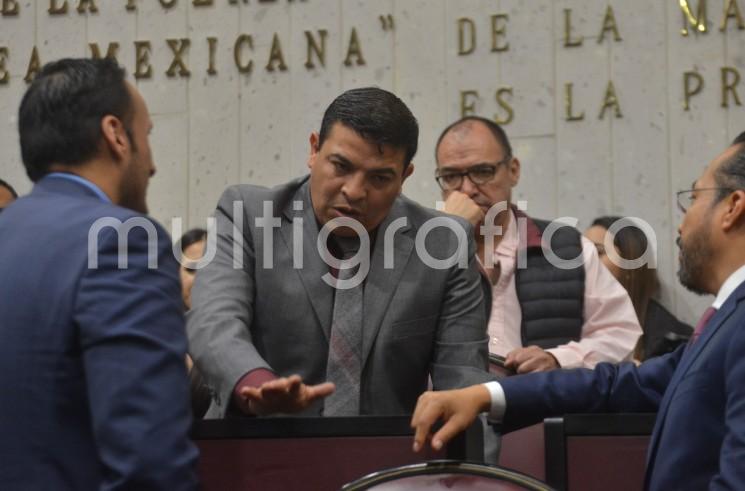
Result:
<point x="418" y="320"/>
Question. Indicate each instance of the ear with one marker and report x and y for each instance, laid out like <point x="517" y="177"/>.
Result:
<point x="409" y="170"/>
<point x="115" y="137"/>
<point x="734" y="212"/>
<point x="514" y="171"/>
<point x="314" y="148"/>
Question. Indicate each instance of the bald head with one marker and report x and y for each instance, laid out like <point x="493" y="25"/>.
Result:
<point x="461" y="130"/>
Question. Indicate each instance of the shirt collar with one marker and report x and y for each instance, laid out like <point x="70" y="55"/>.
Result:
<point x="510" y="239"/>
<point x="82" y="181"/>
<point x="729" y="286"/>
<point x="521" y="233"/>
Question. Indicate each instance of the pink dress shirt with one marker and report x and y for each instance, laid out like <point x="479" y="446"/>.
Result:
<point x="610" y="330"/>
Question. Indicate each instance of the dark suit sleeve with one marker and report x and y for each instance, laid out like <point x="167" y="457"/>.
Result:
<point x="133" y="345"/>
<point x="460" y="357"/>
<point x="732" y="455"/>
<point x="608" y="388"/>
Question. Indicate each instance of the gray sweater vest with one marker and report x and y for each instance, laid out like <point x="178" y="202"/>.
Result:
<point x="551" y="299"/>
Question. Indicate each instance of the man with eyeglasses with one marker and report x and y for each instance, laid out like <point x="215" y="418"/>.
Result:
<point x="542" y="317"/>
<point x="698" y="391"/>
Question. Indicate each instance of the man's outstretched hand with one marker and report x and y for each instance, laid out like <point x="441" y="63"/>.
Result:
<point x="456" y="408"/>
<point x="282" y="395"/>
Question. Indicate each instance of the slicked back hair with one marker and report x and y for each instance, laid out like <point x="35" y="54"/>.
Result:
<point x="731" y="174"/>
<point x="495" y="129"/>
<point x="376" y="115"/>
<point x="59" y="120"/>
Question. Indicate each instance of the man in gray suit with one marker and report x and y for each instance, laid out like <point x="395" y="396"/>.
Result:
<point x="279" y="326"/>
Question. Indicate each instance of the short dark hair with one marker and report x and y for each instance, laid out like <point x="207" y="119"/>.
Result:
<point x="59" y="120"/>
<point x="192" y="237"/>
<point x="376" y="115"/>
<point x="496" y="130"/>
<point x="4" y="184"/>
<point x="731" y="174"/>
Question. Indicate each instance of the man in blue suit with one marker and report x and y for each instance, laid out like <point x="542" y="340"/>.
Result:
<point x="93" y="387"/>
<point x="698" y="391"/>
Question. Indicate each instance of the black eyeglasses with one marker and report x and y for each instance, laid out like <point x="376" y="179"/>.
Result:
<point x="685" y="198"/>
<point x="478" y="174"/>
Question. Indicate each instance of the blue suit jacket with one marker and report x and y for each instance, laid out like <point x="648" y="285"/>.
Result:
<point x="93" y="389"/>
<point x="698" y="391"/>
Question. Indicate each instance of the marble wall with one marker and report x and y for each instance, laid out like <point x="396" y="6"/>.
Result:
<point x="219" y="126"/>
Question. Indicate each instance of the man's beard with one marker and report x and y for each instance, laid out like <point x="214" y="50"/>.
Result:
<point x="694" y="255"/>
<point x="131" y="193"/>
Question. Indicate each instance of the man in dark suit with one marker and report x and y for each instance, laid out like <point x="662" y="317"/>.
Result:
<point x="269" y="319"/>
<point x="92" y="377"/>
<point x="699" y="390"/>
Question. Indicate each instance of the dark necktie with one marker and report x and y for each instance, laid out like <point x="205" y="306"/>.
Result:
<point x="344" y="367"/>
<point x="708" y="314"/>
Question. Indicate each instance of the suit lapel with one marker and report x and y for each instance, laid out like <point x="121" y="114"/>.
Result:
<point x="687" y="359"/>
<point x="320" y="295"/>
<point x="381" y="283"/>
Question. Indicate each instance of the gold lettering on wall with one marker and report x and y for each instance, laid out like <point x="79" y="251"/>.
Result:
<point x="91" y="4"/>
<point x="167" y="4"/>
<point x="4" y="74"/>
<point x="731" y="10"/>
<point x="179" y="47"/>
<point x="248" y="41"/>
<point x="131" y="5"/>
<point x="354" y="50"/>
<point x="466" y="46"/>
<point x="202" y="3"/>
<point x="55" y="9"/>
<point x="609" y="24"/>
<point x="569" y="104"/>
<point x="499" y="30"/>
<point x="111" y="51"/>
<point x="143" y="68"/>
<point x="212" y="45"/>
<point x="610" y="101"/>
<point x="34" y="65"/>
<point x="276" y="56"/>
<point x="313" y="47"/>
<point x="468" y="108"/>
<point x="697" y="21"/>
<point x="499" y="96"/>
<point x="568" y="41"/>
<point x="9" y="8"/>
<point x="691" y="90"/>
<point x="730" y="86"/>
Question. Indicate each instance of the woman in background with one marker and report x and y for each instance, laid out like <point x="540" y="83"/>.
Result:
<point x="662" y="332"/>
<point x="192" y="249"/>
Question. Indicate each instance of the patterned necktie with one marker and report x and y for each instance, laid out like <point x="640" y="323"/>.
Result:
<point x="344" y="366"/>
<point x="708" y="314"/>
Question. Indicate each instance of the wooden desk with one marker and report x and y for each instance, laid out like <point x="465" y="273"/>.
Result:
<point x="266" y="454"/>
